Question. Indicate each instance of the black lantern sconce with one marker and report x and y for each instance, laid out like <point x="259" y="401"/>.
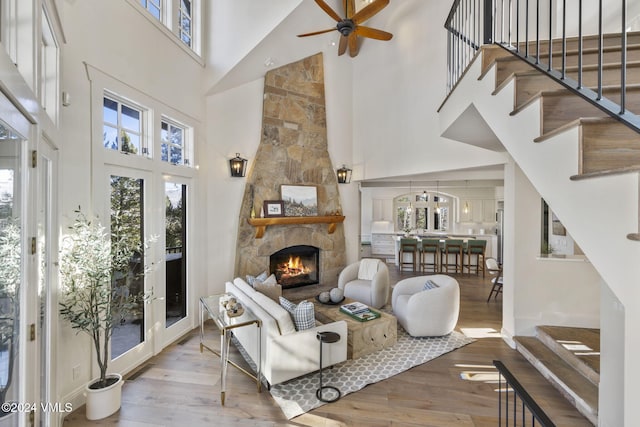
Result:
<point x="344" y="175"/>
<point x="238" y="166"/>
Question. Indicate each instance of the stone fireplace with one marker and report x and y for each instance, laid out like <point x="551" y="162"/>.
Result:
<point x="296" y="266"/>
<point x="292" y="151"/>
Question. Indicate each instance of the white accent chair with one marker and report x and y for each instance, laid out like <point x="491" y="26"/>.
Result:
<point x="427" y="312"/>
<point x="366" y="281"/>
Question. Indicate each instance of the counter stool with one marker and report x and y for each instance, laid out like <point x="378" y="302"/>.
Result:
<point x="454" y="248"/>
<point x="476" y="248"/>
<point x="408" y="246"/>
<point x="429" y="248"/>
<point x="326" y="337"/>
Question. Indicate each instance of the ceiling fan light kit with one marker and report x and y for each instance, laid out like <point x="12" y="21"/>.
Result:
<point x="350" y="28"/>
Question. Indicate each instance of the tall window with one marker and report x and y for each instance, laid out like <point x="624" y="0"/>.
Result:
<point x="154" y="7"/>
<point x="122" y="129"/>
<point x="429" y="212"/>
<point x="48" y="69"/>
<point x="184" y="22"/>
<point x="172" y="143"/>
<point x="179" y="17"/>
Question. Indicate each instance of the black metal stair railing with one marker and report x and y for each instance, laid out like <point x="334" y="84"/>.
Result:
<point x="515" y="406"/>
<point x="530" y="28"/>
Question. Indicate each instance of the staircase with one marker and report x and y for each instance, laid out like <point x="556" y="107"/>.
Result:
<point x="570" y="359"/>
<point x="579" y="159"/>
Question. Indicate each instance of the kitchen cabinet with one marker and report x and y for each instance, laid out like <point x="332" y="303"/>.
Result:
<point x="478" y="210"/>
<point x="382" y="244"/>
<point x="489" y="210"/>
<point x="382" y="210"/>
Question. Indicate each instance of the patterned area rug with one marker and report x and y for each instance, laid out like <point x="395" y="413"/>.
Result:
<point x="298" y="396"/>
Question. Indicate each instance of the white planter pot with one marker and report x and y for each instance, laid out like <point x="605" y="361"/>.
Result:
<point x="103" y="402"/>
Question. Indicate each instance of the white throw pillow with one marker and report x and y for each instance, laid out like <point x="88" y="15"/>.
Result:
<point x="368" y="268"/>
<point x="303" y="314"/>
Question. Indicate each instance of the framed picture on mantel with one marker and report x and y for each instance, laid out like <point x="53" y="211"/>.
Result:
<point x="273" y="208"/>
<point x="300" y="200"/>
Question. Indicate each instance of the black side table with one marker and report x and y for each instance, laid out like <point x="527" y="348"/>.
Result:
<point x="326" y="337"/>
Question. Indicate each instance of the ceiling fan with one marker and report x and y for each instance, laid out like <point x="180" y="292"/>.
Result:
<point x="350" y="27"/>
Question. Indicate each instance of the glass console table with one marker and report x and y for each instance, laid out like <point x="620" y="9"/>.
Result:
<point x="210" y="306"/>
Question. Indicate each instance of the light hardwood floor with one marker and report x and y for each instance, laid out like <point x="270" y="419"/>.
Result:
<point x="180" y="386"/>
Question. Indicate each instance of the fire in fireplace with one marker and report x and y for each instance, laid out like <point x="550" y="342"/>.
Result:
<point x="296" y="266"/>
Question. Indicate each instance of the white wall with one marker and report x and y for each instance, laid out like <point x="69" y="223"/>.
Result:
<point x="145" y="61"/>
<point x="398" y="86"/>
<point x="540" y="291"/>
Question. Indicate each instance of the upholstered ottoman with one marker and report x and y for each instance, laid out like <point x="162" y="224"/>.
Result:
<point x="427" y="305"/>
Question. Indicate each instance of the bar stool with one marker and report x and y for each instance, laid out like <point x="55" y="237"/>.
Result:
<point x="477" y="248"/>
<point x="326" y="337"/>
<point x="429" y="247"/>
<point x="451" y="247"/>
<point x="408" y="246"/>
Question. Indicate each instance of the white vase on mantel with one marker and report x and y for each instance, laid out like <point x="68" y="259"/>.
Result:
<point x="262" y="212"/>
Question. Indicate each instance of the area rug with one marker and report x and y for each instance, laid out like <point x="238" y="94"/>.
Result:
<point x="298" y="396"/>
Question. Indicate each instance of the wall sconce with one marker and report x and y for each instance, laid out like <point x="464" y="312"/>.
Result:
<point x="344" y="175"/>
<point x="238" y="166"/>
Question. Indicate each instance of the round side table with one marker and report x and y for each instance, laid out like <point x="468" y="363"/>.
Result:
<point x="328" y="338"/>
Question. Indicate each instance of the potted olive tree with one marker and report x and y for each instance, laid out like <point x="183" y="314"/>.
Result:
<point x="96" y="273"/>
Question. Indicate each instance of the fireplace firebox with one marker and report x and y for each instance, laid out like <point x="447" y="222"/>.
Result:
<point x="296" y="266"/>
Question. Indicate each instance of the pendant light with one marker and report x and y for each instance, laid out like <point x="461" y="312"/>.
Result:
<point x="410" y="207"/>
<point x="466" y="202"/>
<point x="437" y="197"/>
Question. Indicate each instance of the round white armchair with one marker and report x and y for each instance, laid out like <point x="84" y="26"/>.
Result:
<point x="366" y="281"/>
<point x="427" y="311"/>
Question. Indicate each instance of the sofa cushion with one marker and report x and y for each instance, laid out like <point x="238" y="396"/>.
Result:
<point x="261" y="277"/>
<point x="282" y="317"/>
<point x="303" y="314"/>
<point x="272" y="291"/>
<point x="244" y="287"/>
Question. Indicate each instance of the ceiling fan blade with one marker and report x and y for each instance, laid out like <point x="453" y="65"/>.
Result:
<point x="332" y="13"/>
<point x="342" y="47"/>
<point x="372" y="33"/>
<point x="317" y="32"/>
<point x="349" y="8"/>
<point x="369" y="11"/>
<point x="353" y="44"/>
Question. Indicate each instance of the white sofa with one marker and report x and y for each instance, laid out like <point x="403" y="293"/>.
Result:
<point x="427" y="313"/>
<point x="286" y="353"/>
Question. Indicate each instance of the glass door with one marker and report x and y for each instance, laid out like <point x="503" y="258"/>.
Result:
<point x="12" y="274"/>
<point x="172" y="307"/>
<point x="47" y="255"/>
<point x="175" y="252"/>
<point x="127" y="224"/>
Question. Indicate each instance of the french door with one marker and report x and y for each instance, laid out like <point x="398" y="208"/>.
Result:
<point x="127" y="217"/>
<point x="46" y="253"/>
<point x="16" y="268"/>
<point x="151" y="213"/>
<point x="173" y="306"/>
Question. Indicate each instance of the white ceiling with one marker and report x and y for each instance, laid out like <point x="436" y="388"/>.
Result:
<point x="281" y="46"/>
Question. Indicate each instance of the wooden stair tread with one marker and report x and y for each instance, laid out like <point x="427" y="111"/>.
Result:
<point x="585" y="358"/>
<point x="573" y="385"/>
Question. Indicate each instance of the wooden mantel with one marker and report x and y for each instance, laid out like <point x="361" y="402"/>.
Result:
<point x="261" y="224"/>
